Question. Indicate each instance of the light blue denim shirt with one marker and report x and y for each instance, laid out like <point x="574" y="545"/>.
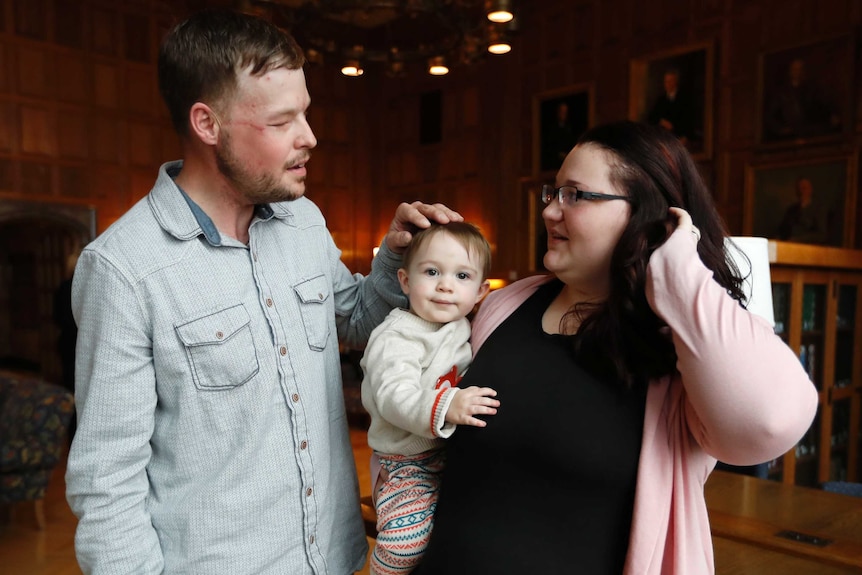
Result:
<point x="212" y="435"/>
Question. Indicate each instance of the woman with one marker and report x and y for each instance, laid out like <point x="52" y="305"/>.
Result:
<point x="622" y="376"/>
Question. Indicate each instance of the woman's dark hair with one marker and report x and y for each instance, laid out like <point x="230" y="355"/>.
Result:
<point x="201" y="58"/>
<point x="620" y="339"/>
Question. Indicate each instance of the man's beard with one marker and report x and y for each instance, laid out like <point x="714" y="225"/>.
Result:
<point x="257" y="189"/>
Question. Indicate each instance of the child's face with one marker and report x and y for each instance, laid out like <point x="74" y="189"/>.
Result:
<point x="443" y="282"/>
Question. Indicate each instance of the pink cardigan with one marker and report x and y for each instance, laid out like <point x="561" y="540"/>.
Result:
<point x="740" y="395"/>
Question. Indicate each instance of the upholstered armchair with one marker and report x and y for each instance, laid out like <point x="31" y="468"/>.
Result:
<point x="34" y="417"/>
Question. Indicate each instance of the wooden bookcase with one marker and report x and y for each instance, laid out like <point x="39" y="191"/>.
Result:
<point x="817" y="298"/>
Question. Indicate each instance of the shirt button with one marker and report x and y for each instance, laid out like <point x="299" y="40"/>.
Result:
<point x="268" y="302"/>
<point x="303" y="444"/>
<point x="308" y="492"/>
<point x="311" y="539"/>
<point x="320" y="296"/>
<point x="295" y="397"/>
<point x="219" y="335"/>
<point x="283" y="350"/>
<point x="254" y="256"/>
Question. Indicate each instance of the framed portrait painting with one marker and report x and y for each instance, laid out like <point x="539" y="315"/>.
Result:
<point x="559" y="119"/>
<point x="803" y="202"/>
<point x="805" y="92"/>
<point x="673" y="89"/>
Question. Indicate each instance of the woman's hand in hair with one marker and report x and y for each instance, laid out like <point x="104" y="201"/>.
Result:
<point x="683" y="221"/>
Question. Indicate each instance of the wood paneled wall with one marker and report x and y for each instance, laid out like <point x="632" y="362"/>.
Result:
<point x="81" y="121"/>
<point x="565" y="43"/>
<point x="80" y="117"/>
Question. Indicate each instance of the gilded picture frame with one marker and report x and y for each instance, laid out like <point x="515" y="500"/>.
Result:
<point x="559" y="118"/>
<point x="804" y="93"/>
<point x="810" y="202"/>
<point x="674" y="88"/>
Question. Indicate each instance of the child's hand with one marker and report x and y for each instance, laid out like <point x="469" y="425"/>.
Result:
<point x="469" y="402"/>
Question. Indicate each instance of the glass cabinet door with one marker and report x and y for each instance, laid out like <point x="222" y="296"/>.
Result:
<point x="839" y="441"/>
<point x="818" y="314"/>
<point x="781" y="308"/>
<point x="811" y="345"/>
<point x="782" y="290"/>
<point x="810" y="348"/>
<point x="844" y="340"/>
<point x="807" y="454"/>
<point x="843" y="396"/>
<point x="800" y="301"/>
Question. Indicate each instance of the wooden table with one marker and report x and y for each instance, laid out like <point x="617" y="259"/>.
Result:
<point x="738" y="558"/>
<point x="822" y="532"/>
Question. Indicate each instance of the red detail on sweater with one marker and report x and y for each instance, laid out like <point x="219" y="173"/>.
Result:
<point x="434" y="411"/>
<point x="448" y="379"/>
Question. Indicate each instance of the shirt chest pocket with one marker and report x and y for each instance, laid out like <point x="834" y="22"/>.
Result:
<point x="220" y="349"/>
<point x="313" y="306"/>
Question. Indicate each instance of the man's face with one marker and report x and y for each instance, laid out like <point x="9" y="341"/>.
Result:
<point x="265" y="140"/>
<point x="562" y="112"/>
<point x="671" y="82"/>
<point x="804" y="191"/>
<point x="797" y="72"/>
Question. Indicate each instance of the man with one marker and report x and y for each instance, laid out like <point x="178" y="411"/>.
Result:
<point x="560" y="138"/>
<point x="796" y="110"/>
<point x="804" y="220"/>
<point x="212" y="433"/>
<point x="673" y="110"/>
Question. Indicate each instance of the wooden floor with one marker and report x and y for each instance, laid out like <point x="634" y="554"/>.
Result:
<point x="24" y="550"/>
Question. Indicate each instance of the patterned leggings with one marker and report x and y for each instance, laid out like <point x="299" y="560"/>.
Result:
<point x="405" y="510"/>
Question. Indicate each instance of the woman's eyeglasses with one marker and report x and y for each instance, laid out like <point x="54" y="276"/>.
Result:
<point x="568" y="196"/>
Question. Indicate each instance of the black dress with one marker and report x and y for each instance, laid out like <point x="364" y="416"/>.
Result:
<point x="548" y="486"/>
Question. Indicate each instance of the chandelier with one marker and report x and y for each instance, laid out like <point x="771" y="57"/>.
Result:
<point x="389" y="35"/>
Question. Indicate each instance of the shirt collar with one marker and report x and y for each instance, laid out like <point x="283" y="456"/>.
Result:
<point x="204" y="221"/>
<point x="180" y="216"/>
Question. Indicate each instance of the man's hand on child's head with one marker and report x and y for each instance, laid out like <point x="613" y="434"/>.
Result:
<point x="470" y="402"/>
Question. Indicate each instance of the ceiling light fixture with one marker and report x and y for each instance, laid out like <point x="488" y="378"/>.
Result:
<point x="395" y="36"/>
<point x="352" y="68"/>
<point x="437" y="66"/>
<point x="499" y="11"/>
<point x="353" y="65"/>
<point x="498" y="42"/>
